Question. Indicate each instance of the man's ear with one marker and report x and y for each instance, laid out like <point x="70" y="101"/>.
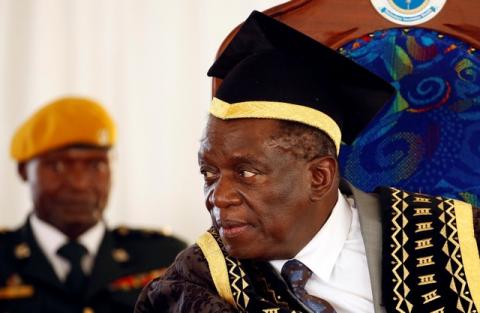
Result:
<point x="324" y="173"/>
<point x="22" y="170"/>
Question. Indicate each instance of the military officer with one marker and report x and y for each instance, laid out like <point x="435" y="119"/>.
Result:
<point x="64" y="258"/>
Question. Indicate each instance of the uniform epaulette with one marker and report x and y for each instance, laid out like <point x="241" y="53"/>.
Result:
<point x="4" y="231"/>
<point x="127" y="232"/>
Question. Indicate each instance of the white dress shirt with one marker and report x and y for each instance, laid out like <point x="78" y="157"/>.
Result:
<point x="50" y="239"/>
<point x="336" y="256"/>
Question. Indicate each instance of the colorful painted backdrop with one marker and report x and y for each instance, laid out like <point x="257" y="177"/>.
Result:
<point x="426" y="139"/>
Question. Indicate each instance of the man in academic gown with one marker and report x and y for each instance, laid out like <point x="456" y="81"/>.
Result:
<point x="64" y="258"/>
<point x="288" y="234"/>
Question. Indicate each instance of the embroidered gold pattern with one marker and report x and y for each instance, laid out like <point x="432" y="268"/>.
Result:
<point x="454" y="254"/>
<point x="430" y="296"/>
<point x="423" y="243"/>
<point x="238" y="283"/>
<point x="272" y="293"/>
<point x="398" y="254"/>
<point x="217" y="266"/>
<point x="421" y="199"/>
<point x="422" y="211"/>
<point x="423" y="227"/>
<point x="452" y="215"/>
<point x="468" y="245"/>
<point x="425" y="261"/>
<point x="426" y="279"/>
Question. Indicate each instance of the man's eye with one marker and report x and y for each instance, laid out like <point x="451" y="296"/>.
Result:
<point x="247" y="174"/>
<point x="208" y="174"/>
<point x="57" y="166"/>
<point x="99" y="165"/>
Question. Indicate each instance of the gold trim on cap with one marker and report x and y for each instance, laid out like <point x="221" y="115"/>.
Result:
<point x="216" y="265"/>
<point x="468" y="248"/>
<point x="280" y="111"/>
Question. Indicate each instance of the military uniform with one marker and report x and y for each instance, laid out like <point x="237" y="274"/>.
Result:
<point x="126" y="261"/>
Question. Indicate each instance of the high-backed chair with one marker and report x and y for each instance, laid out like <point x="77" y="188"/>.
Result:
<point x="426" y="139"/>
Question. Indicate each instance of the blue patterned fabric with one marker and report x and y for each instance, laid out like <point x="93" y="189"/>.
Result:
<point x="297" y="274"/>
<point x="427" y="139"/>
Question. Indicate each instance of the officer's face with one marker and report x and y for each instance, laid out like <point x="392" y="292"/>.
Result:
<point x="69" y="187"/>
<point x="258" y="195"/>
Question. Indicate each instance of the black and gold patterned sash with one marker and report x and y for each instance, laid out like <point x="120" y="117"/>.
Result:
<point x="430" y="257"/>
<point x="250" y="286"/>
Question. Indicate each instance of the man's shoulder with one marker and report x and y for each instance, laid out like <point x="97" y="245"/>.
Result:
<point x="13" y="249"/>
<point x="157" y="244"/>
<point x="186" y="285"/>
<point x="191" y="265"/>
<point x="5" y="234"/>
<point x="6" y="240"/>
<point x="145" y="235"/>
<point x="9" y="237"/>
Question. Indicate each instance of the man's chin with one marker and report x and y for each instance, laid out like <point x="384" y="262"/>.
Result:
<point x="84" y="219"/>
<point x="244" y="251"/>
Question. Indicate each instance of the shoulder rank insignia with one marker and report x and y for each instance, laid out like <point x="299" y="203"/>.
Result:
<point x="15" y="289"/>
<point x="164" y="231"/>
<point x="123" y="230"/>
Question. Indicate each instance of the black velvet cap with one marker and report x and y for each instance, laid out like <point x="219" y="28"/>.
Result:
<point x="270" y="70"/>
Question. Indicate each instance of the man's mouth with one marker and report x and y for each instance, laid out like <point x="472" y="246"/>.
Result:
<point x="231" y="229"/>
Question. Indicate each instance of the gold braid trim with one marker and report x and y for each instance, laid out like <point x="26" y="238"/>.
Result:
<point x="217" y="266"/>
<point x="468" y="248"/>
<point x="278" y="111"/>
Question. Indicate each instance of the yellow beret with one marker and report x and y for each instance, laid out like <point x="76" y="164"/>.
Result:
<point x="63" y="122"/>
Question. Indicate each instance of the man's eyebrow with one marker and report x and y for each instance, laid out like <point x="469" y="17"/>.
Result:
<point x="248" y="158"/>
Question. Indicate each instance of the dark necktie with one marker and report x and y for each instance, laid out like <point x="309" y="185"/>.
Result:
<point x="76" y="281"/>
<point x="296" y="274"/>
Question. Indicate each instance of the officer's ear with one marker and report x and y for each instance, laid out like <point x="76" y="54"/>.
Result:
<point x="22" y="170"/>
<point x="324" y="177"/>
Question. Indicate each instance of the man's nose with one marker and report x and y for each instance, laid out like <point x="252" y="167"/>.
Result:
<point x="224" y="194"/>
<point x="78" y="176"/>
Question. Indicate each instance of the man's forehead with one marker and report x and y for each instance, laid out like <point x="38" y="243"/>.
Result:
<point x="241" y="135"/>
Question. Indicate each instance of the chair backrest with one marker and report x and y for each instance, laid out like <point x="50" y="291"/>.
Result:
<point x="427" y="138"/>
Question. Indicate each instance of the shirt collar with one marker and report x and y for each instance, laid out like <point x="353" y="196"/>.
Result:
<point x="331" y="237"/>
<point x="51" y="239"/>
<point x="92" y="238"/>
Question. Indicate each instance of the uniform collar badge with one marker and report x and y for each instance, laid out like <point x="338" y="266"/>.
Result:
<point x="22" y="251"/>
<point x="120" y="255"/>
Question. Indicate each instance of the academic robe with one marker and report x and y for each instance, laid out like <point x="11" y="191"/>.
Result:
<point x="191" y="284"/>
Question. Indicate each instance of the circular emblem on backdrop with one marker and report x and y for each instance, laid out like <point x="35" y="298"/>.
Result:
<point x="408" y="12"/>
